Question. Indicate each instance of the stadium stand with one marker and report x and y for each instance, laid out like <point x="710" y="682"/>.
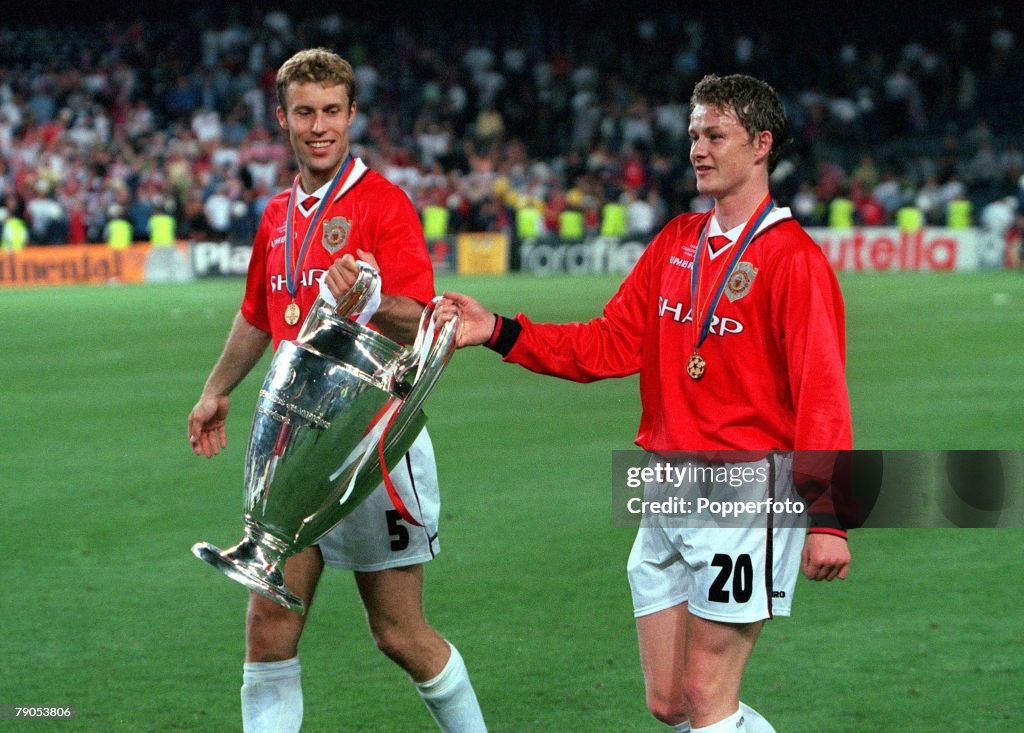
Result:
<point x="486" y="113"/>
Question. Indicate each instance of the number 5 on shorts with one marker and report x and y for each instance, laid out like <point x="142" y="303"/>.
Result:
<point x="398" y="531"/>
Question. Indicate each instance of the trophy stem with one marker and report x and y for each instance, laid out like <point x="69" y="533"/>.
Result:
<point x="255" y="562"/>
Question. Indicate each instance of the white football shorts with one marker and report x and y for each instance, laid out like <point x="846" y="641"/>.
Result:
<point x="374" y="536"/>
<point x="731" y="573"/>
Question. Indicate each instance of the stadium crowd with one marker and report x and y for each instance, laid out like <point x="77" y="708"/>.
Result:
<point x="482" y="116"/>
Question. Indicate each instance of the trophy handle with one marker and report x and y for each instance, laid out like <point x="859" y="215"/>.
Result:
<point x="423" y="342"/>
<point x="362" y="292"/>
<point x="429" y="355"/>
<point x="367" y="284"/>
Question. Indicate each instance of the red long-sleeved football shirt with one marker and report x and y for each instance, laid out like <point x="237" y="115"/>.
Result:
<point x="775" y="354"/>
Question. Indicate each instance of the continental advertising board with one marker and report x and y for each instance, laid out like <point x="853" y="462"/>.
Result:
<point x="94" y="264"/>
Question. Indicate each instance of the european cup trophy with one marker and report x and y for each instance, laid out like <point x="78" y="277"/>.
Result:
<point x="338" y="406"/>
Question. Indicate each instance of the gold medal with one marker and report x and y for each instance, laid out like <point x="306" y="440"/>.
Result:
<point x="695" y="366"/>
<point x="293" y="262"/>
<point x="736" y="278"/>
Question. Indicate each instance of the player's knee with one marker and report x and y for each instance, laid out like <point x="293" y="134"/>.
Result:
<point x="393" y="642"/>
<point x="700" y="692"/>
<point x="669" y="712"/>
<point x="271" y="633"/>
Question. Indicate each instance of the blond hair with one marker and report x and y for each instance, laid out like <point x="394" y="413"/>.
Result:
<point x="318" y="65"/>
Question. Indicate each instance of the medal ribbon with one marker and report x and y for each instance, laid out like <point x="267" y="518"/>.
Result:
<point x="745" y="239"/>
<point x="291" y="272"/>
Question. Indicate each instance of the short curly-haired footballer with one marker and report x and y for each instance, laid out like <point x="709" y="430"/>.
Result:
<point x="755" y="103"/>
<point x="734" y="321"/>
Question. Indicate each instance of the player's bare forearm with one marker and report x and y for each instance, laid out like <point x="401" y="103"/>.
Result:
<point x="398" y="318"/>
<point x="207" y="420"/>
<point x="242" y="350"/>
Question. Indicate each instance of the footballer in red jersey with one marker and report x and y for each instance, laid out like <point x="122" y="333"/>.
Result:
<point x="735" y="323"/>
<point x="337" y="208"/>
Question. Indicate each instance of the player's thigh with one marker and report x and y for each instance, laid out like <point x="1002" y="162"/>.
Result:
<point x="392" y="597"/>
<point x="662" y="641"/>
<point x="658" y="577"/>
<point x="375" y="536"/>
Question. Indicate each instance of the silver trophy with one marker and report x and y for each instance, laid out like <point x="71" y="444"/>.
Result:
<point x="333" y="401"/>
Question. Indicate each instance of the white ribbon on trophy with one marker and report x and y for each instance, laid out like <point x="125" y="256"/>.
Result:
<point x="365" y="448"/>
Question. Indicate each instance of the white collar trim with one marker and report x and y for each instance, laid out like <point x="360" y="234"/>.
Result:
<point x="776" y="215"/>
<point x="358" y="171"/>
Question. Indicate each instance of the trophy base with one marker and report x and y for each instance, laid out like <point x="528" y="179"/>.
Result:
<point x="244" y="564"/>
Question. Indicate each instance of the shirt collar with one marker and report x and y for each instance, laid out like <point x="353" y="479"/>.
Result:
<point x="306" y="202"/>
<point x="715" y="230"/>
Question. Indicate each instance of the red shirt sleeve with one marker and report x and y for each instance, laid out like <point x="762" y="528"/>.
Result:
<point x="254" y="302"/>
<point x="808" y="305"/>
<point x="608" y="346"/>
<point x="397" y="244"/>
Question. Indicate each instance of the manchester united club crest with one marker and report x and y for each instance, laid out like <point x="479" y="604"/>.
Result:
<point x="335" y="233"/>
<point x="740" y="280"/>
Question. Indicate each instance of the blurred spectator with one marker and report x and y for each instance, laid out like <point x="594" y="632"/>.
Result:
<point x="47" y="219"/>
<point x="841" y="210"/>
<point x="805" y="206"/>
<point x="13" y="231"/>
<point x="868" y="211"/>
<point x="162" y="226"/>
<point x="614" y="219"/>
<point x="929" y="200"/>
<point x="889" y="193"/>
<point x="641" y="216"/>
<point x="193" y="224"/>
<point x="571" y="225"/>
<point x="997" y="220"/>
<point x="243" y="223"/>
<point x="634" y="171"/>
<point x="217" y="208"/>
<point x="865" y="174"/>
<point x="118" y="232"/>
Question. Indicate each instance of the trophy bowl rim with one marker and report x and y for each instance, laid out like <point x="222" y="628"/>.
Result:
<point x="391" y="350"/>
<point x="360" y="331"/>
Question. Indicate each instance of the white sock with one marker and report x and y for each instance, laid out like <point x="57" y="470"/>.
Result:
<point x="732" y="724"/>
<point x="451" y="700"/>
<point x="683" y="727"/>
<point x="272" y="696"/>
<point x="755" y="722"/>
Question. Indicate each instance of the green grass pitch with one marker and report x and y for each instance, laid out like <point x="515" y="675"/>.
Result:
<point x="104" y="607"/>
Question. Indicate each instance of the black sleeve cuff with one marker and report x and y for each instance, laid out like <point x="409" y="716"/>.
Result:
<point x="506" y="331"/>
<point x="828" y="530"/>
<point x="827" y="523"/>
